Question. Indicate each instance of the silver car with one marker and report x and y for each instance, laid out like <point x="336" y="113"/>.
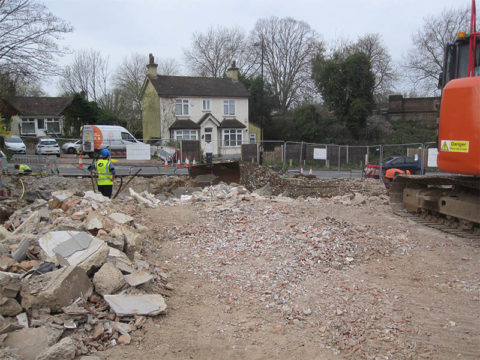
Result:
<point x="15" y="144"/>
<point x="72" y="147"/>
<point x="47" y="146"/>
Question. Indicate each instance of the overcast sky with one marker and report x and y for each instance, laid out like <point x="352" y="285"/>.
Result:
<point x="118" y="28"/>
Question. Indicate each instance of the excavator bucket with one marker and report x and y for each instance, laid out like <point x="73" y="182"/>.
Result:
<point x="212" y="174"/>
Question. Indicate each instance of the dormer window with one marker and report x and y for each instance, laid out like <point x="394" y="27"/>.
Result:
<point x="228" y="107"/>
<point x="181" y="107"/>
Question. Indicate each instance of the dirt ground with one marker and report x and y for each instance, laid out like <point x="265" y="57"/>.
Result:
<point x="307" y="278"/>
<point x="312" y="269"/>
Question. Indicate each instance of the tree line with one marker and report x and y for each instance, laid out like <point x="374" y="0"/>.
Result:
<point x="301" y="87"/>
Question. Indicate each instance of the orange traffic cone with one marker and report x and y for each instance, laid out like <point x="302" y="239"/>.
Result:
<point x="310" y="172"/>
<point x="166" y="164"/>
<point x="194" y="163"/>
<point x="80" y="161"/>
<point x="178" y="163"/>
<point x="301" y="169"/>
<point x="187" y="162"/>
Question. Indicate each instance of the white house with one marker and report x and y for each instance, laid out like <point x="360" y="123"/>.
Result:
<point x="212" y="110"/>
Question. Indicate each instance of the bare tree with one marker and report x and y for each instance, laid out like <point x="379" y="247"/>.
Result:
<point x="424" y="61"/>
<point x="88" y="73"/>
<point x="28" y="39"/>
<point x="288" y="48"/>
<point x="168" y="66"/>
<point x="211" y="54"/>
<point x="380" y="60"/>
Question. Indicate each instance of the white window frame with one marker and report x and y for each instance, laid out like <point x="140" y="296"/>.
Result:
<point x="206" y="105"/>
<point x="184" y="107"/>
<point x="28" y="121"/>
<point x="229" y="107"/>
<point x="232" y="137"/>
<point x="53" y="121"/>
<point x="185" y="134"/>
<point x="252" y="137"/>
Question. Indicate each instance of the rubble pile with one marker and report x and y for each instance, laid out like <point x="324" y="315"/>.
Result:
<point x="267" y="256"/>
<point x="72" y="277"/>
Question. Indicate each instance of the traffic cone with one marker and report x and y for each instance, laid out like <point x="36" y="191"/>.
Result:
<point x="301" y="169"/>
<point x="194" y="163"/>
<point x="80" y="161"/>
<point x="166" y="164"/>
<point x="178" y="163"/>
<point x="310" y="172"/>
<point x="187" y="162"/>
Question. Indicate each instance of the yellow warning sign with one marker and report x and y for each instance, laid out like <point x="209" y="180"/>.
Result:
<point x="455" y="146"/>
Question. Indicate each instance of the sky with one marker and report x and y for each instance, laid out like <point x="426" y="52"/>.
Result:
<point x="118" y="28"/>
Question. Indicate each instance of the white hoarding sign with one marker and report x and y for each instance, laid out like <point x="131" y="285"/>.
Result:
<point x="319" y="154"/>
<point x="432" y="157"/>
<point x="138" y="152"/>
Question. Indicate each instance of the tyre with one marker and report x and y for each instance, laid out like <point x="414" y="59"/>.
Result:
<point x="71" y="150"/>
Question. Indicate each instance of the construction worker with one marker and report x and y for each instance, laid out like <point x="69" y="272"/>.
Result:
<point x="390" y="175"/>
<point x="105" y="172"/>
<point x="23" y="169"/>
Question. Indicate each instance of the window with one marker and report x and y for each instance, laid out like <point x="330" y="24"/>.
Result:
<point x="253" y="138"/>
<point x="53" y="126"/>
<point x="208" y="134"/>
<point x="228" y="107"/>
<point x="127" y="137"/>
<point x="28" y="127"/>
<point x="206" y="104"/>
<point x="185" y="135"/>
<point x="181" y="107"/>
<point x="41" y="123"/>
<point x="232" y="137"/>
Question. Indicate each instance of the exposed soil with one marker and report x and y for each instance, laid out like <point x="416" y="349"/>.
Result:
<point x="326" y="273"/>
<point x="317" y="279"/>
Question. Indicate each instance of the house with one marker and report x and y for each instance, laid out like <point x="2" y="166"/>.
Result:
<point x="211" y="110"/>
<point x="36" y="116"/>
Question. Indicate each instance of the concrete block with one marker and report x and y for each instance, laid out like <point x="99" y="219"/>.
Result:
<point x="108" y="280"/>
<point x="55" y="289"/>
<point x="30" y="342"/>
<point x="121" y="218"/>
<point x="65" y="349"/>
<point x="138" y="278"/>
<point x="128" y="305"/>
<point x="9" y="307"/>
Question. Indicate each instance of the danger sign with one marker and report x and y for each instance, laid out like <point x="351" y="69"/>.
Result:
<point x="455" y="146"/>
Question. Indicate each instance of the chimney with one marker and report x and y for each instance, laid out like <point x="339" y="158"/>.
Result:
<point x="233" y="72"/>
<point x="151" y="67"/>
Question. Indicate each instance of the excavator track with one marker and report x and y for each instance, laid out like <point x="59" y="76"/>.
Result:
<point x="447" y="203"/>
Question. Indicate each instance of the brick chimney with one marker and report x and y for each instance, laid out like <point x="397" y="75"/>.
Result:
<point x="151" y="67"/>
<point x="233" y="72"/>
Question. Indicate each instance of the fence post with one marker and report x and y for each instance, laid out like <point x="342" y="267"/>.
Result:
<point x="380" y="163"/>
<point x="339" y="155"/>
<point x="284" y="154"/>
<point x="347" y="155"/>
<point x="301" y="152"/>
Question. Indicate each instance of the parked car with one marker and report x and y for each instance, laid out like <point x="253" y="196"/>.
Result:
<point x="15" y="144"/>
<point x="403" y="163"/>
<point x="72" y="147"/>
<point x="47" y="146"/>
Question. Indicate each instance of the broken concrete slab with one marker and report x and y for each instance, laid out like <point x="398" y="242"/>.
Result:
<point x="65" y="349"/>
<point x="30" y="342"/>
<point x="108" y="280"/>
<point x="56" y="289"/>
<point x="89" y="259"/>
<point x="121" y="218"/>
<point x="77" y="242"/>
<point x="126" y="305"/>
<point x="58" y="197"/>
<point x="20" y="252"/>
<point x="120" y="260"/>
<point x="94" y="224"/>
<point x="9" y="285"/>
<point x="133" y="241"/>
<point x="9" y="307"/>
<point x="54" y="238"/>
<point x="138" y="278"/>
<point x="22" y="319"/>
<point x="6" y="262"/>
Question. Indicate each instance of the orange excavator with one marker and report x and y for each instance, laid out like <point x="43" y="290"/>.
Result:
<point x="452" y="198"/>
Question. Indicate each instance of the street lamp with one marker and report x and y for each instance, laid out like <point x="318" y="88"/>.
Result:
<point x="261" y="102"/>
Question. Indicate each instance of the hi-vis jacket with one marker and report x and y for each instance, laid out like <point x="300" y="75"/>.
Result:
<point x="105" y="176"/>
<point x="391" y="173"/>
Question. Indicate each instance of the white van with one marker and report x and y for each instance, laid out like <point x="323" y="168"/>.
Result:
<point x="115" y="138"/>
